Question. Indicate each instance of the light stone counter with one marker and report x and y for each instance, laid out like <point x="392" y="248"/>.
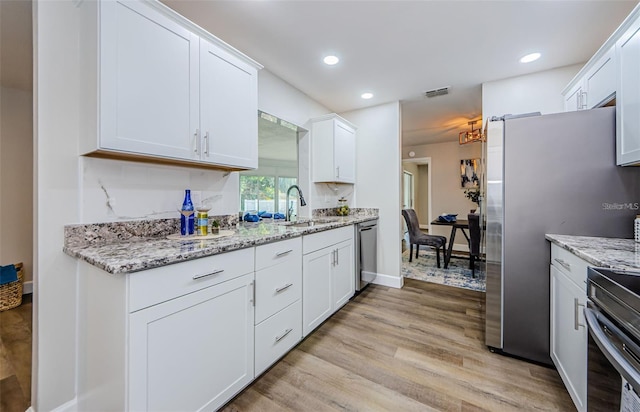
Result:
<point x="623" y="254"/>
<point x="125" y="247"/>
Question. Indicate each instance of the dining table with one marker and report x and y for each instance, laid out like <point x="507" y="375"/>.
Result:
<point x="458" y="224"/>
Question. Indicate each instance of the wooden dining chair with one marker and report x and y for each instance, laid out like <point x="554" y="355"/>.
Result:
<point x="417" y="237"/>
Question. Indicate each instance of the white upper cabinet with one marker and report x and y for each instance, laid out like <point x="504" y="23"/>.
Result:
<point x="628" y="98"/>
<point x="228" y="108"/>
<point x="159" y="87"/>
<point x="333" y="150"/>
<point x="595" y="85"/>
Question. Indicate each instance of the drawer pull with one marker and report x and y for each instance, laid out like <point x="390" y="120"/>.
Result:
<point x="286" y="332"/>
<point x="215" y="272"/>
<point x="286" y="252"/>
<point x="563" y="263"/>
<point x="576" y="311"/>
<point x="283" y="288"/>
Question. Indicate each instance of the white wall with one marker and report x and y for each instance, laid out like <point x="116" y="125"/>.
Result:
<point x="446" y="194"/>
<point x="536" y="92"/>
<point x="378" y="177"/>
<point x="16" y="177"/>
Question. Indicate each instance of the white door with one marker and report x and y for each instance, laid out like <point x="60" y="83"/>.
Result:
<point x="569" y="339"/>
<point x="407" y="190"/>
<point x="193" y="352"/>
<point x="316" y="288"/>
<point x="344" y="153"/>
<point x="229" y="108"/>
<point x="148" y="82"/>
<point x="343" y="274"/>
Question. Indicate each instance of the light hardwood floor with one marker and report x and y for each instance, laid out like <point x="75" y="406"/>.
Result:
<point x="419" y="348"/>
<point x="15" y="357"/>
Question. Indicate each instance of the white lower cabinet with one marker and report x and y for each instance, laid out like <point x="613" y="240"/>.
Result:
<point x="569" y="335"/>
<point x="278" y="301"/>
<point x="328" y="269"/>
<point x="194" y="352"/>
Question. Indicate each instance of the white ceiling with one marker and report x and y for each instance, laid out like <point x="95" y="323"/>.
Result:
<point x="396" y="49"/>
<point x="400" y="49"/>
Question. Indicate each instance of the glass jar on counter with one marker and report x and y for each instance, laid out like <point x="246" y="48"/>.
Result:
<point x="343" y="207"/>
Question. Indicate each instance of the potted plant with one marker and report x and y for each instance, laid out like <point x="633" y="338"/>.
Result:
<point x="215" y="227"/>
<point x="473" y="195"/>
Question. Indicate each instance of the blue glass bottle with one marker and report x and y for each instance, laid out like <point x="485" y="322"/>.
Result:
<point x="187" y="219"/>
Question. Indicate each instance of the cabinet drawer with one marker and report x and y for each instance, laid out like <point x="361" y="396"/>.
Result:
<point x="276" y="335"/>
<point x="158" y="285"/>
<point x="571" y="265"/>
<point x="278" y="252"/>
<point x="278" y="286"/>
<point x="317" y="241"/>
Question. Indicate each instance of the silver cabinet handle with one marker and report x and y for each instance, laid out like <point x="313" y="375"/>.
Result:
<point x="337" y="257"/>
<point x="333" y="257"/>
<point x="283" y="288"/>
<point x="338" y="171"/>
<point x="576" y="313"/>
<point x="286" y="252"/>
<point x="286" y="332"/>
<point x="195" y="141"/>
<point x="215" y="272"/>
<point x="563" y="263"/>
<point x="583" y="100"/>
<point x="206" y="144"/>
<point x="253" y="293"/>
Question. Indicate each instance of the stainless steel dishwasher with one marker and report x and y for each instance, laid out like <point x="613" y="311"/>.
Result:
<point x="366" y="253"/>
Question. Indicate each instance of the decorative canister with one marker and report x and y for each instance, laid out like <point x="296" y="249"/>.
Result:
<point x="202" y="221"/>
<point x="343" y="207"/>
<point x="636" y="227"/>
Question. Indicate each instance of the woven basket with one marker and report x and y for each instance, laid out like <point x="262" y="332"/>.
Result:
<point x="11" y="293"/>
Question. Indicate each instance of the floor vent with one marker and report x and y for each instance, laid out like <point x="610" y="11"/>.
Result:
<point x="437" y="92"/>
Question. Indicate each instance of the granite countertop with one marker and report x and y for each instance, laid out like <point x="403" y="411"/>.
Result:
<point x="622" y="254"/>
<point x="121" y="247"/>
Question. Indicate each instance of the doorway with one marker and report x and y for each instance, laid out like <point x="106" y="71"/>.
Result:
<point x="416" y="193"/>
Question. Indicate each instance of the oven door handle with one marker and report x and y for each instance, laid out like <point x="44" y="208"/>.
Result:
<point x="613" y="354"/>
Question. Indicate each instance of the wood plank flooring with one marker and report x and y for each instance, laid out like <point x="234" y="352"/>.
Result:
<point x="420" y="348"/>
<point x="15" y="357"/>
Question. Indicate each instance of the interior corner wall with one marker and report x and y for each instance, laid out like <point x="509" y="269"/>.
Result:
<point x="536" y="92"/>
<point x="378" y="181"/>
<point x="16" y="176"/>
<point x="56" y="114"/>
<point x="447" y="196"/>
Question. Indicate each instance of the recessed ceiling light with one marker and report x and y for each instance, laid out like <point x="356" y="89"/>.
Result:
<point x="530" y="57"/>
<point x="331" y="60"/>
<point x="366" y="95"/>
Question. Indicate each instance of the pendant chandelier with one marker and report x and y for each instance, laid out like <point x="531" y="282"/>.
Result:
<point x="471" y="136"/>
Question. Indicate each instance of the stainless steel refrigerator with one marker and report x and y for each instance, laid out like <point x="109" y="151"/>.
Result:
<point x="546" y="174"/>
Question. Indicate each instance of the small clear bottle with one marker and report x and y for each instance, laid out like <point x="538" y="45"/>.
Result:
<point x="343" y="207"/>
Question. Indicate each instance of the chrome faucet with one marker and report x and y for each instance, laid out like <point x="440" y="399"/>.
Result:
<point x="302" y="202"/>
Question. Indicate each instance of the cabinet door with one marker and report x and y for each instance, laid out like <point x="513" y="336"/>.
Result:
<point x="343" y="274"/>
<point x="569" y="335"/>
<point x="316" y="288"/>
<point x="229" y="108"/>
<point x="628" y="97"/>
<point x="193" y="352"/>
<point x="600" y="81"/>
<point x="345" y="153"/>
<point x="148" y="82"/>
<point x="572" y="98"/>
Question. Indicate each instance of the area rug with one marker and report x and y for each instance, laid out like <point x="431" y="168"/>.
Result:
<point x="458" y="274"/>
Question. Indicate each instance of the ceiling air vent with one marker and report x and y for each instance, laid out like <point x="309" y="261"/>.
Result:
<point x="437" y="92"/>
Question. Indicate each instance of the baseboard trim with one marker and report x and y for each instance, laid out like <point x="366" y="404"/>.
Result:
<point x="27" y="287"/>
<point x="388" y="280"/>
<point x="71" y="406"/>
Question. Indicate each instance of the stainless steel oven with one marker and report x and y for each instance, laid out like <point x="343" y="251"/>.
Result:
<point x="613" y="360"/>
